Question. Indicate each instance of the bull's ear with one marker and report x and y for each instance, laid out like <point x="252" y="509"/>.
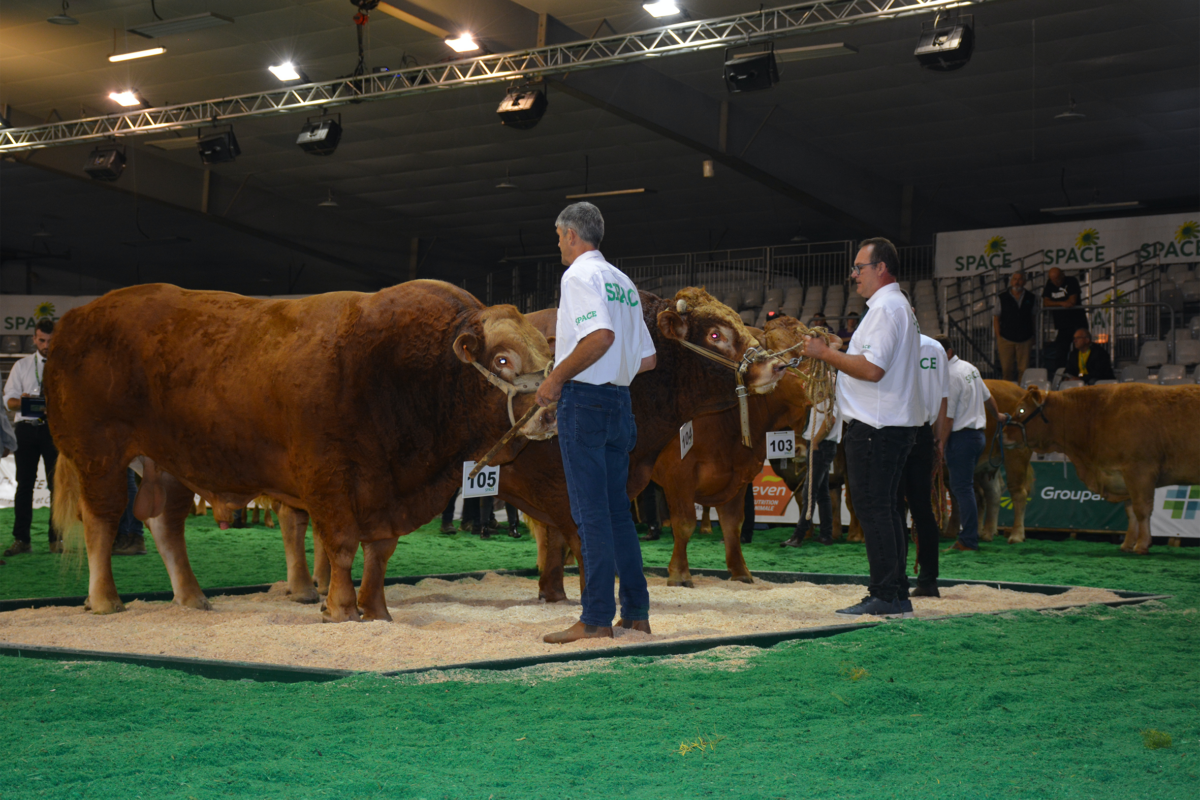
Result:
<point x="1037" y="395"/>
<point x="466" y="346"/>
<point x="671" y="325"/>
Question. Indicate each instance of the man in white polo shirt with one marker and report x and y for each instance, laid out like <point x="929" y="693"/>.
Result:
<point x="923" y="461"/>
<point x="968" y="398"/>
<point x="879" y="398"/>
<point x="601" y="344"/>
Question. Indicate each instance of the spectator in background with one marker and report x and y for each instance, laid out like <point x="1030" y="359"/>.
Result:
<point x="818" y="321"/>
<point x="33" y="438"/>
<point x="1063" y="293"/>
<point x="848" y="327"/>
<point x="1088" y="362"/>
<point x="967" y="397"/>
<point x="1014" y="323"/>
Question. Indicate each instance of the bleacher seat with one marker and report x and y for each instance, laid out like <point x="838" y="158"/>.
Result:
<point x="27" y="345"/>
<point x="1178" y="273"/>
<point x="1152" y="380"/>
<point x="1172" y="297"/>
<point x="1196" y="375"/>
<point x="773" y="295"/>
<point x="1106" y="382"/>
<point x="754" y="298"/>
<point x="1194" y="326"/>
<point x="1035" y="374"/>
<point x="1133" y="372"/>
<point x="1187" y="352"/>
<point x="1153" y="354"/>
<point x="749" y="316"/>
<point x="1191" y="291"/>
<point x="1057" y="378"/>
<point x="906" y="287"/>
<point x="1041" y="384"/>
<point x="1181" y="335"/>
<point x="1171" y="371"/>
<point x="1174" y="382"/>
<point x="10" y="344"/>
<point x="1074" y="383"/>
<point x="926" y="284"/>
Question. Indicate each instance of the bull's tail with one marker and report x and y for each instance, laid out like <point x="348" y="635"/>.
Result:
<point x="67" y="518"/>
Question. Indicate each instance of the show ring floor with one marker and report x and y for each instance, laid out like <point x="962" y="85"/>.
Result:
<point x="480" y="621"/>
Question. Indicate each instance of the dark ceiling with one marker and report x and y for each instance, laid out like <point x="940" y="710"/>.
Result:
<point x="828" y="153"/>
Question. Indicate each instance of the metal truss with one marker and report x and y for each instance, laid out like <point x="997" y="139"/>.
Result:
<point x="687" y="37"/>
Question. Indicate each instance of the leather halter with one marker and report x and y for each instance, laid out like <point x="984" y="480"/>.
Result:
<point x="526" y="383"/>
<point x="749" y="358"/>
<point x="1040" y="410"/>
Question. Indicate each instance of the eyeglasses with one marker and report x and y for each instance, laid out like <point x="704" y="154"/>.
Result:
<point x="858" y="268"/>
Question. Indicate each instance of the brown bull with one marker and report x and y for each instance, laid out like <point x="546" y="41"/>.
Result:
<point x="682" y="386"/>
<point x="361" y="411"/>
<point x="718" y="469"/>
<point x="1125" y="440"/>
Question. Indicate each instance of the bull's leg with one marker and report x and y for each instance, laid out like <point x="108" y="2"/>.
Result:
<point x="321" y="565"/>
<point x="341" y="543"/>
<point x="201" y="506"/>
<point x="732" y="515"/>
<point x="989" y="483"/>
<point x="550" y="561"/>
<point x="167" y="530"/>
<point x="1131" y="533"/>
<point x="370" y="594"/>
<point x="706" y="521"/>
<point x="270" y="523"/>
<point x="1019" y="490"/>
<point x="1141" y="500"/>
<point x="683" y="524"/>
<point x="293" y="525"/>
<point x="99" y="533"/>
<point x="256" y="515"/>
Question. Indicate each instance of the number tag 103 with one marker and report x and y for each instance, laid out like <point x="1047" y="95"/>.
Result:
<point x="781" y="444"/>
<point x="485" y="484"/>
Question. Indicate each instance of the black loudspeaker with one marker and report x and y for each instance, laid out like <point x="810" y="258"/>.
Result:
<point x="946" y="48"/>
<point x="751" y="72"/>
<point x="522" y="108"/>
<point x="105" y="165"/>
<point x="219" y="149"/>
<point x="320" y="138"/>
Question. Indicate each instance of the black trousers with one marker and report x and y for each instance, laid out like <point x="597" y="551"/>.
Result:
<point x="875" y="460"/>
<point x="748" y="516"/>
<point x="917" y="488"/>
<point x="33" y="443"/>
<point x="822" y="460"/>
<point x="647" y="505"/>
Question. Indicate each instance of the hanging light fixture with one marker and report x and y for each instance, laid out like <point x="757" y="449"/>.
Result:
<point x="328" y="202"/>
<point x="64" y="18"/>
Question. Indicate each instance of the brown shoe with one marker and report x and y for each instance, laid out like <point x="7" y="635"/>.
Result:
<point x="642" y="625"/>
<point x="576" y="632"/>
<point x="961" y="547"/>
<point x="18" y="547"/>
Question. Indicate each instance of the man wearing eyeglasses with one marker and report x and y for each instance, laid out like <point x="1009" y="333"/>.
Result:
<point x="879" y="396"/>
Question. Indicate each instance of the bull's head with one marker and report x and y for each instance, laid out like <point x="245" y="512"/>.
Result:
<point x="515" y="353"/>
<point x="700" y="319"/>
<point x="1029" y="426"/>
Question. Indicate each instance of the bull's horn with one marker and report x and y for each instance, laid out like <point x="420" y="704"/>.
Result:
<point x="681" y="306"/>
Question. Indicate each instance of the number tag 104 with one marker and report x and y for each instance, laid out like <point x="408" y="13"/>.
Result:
<point x="485" y="484"/>
<point x="686" y="437"/>
<point x="781" y="444"/>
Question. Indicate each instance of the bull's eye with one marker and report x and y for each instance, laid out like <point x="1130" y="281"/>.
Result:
<point x="502" y="361"/>
<point x="1020" y="411"/>
<point x="714" y="336"/>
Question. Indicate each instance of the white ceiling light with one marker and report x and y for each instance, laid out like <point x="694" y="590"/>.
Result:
<point x="465" y="43"/>
<point x="127" y="98"/>
<point x="664" y="8"/>
<point x="288" y="73"/>
<point x="64" y="18"/>
<point x="167" y="27"/>
<point x="153" y="51"/>
<point x="328" y="202"/>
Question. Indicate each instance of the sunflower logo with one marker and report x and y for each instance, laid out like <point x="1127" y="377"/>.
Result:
<point x="1188" y="230"/>
<point x="995" y="245"/>
<point x="1121" y="298"/>
<point x="1006" y="502"/>
<point x="44" y="310"/>
<point x="1088" y="238"/>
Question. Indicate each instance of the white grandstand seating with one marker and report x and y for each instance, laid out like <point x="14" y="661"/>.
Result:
<point x="1191" y="291"/>
<point x="1105" y="382"/>
<point x="754" y="298"/>
<point x="1172" y="297"/>
<point x="1035" y="374"/>
<point x="905" y="286"/>
<point x="1174" y="382"/>
<point x="1133" y="372"/>
<point x="1153" y="354"/>
<point x="1187" y="352"/>
<point x="774" y="296"/>
<point x="1057" y="378"/>
<point x="1074" y="383"/>
<point x="1178" y="272"/>
<point x="1194" y="327"/>
<point x="1181" y="335"/>
<point x="1171" y="371"/>
<point x="749" y="316"/>
<point x="1152" y="380"/>
<point x="10" y="344"/>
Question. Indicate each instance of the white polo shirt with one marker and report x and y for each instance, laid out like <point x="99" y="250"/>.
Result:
<point x="596" y="295"/>
<point x="889" y="338"/>
<point x="25" y="378"/>
<point x="935" y="377"/>
<point x="816" y="419"/>
<point x="967" y="395"/>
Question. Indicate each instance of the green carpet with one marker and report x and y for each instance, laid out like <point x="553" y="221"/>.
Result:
<point x="1020" y="705"/>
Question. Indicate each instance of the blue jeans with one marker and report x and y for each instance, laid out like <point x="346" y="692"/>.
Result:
<point x="962" y="452"/>
<point x="596" y="433"/>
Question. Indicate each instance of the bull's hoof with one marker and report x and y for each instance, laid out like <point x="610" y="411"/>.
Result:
<point x="307" y="597"/>
<point x="329" y="615"/>
<point x="104" y="606"/>
<point x="986" y="537"/>
<point x="552" y="595"/>
<point x="1142" y="551"/>
<point x="676" y="582"/>
<point x="1127" y="548"/>
<point x="741" y="578"/>
<point x="369" y="615"/>
<point x="1015" y="538"/>
<point x="199" y="602"/>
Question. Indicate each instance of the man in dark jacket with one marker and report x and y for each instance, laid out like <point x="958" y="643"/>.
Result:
<point x="1013" y="324"/>
<point x="1088" y="362"/>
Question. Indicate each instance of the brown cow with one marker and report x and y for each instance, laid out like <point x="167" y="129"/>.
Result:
<point x="1018" y="472"/>
<point x="718" y="469"/>
<point x="361" y="410"/>
<point x="682" y="386"/>
<point x="1124" y="440"/>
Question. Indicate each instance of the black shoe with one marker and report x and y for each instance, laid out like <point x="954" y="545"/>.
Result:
<point x="824" y="540"/>
<point x="485" y="531"/>
<point x="653" y="534"/>
<point x="924" y="591"/>
<point x="873" y="607"/>
<point x="448" y="528"/>
<point x="747" y="538"/>
<point x="514" y="531"/>
<point x="796" y="541"/>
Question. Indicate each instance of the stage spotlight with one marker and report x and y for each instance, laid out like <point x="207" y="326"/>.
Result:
<point x="128" y="99"/>
<point x="465" y="43"/>
<point x="288" y="73"/>
<point x="522" y="108"/>
<point x="947" y="46"/>
<point x="664" y="8"/>
<point x="219" y="148"/>
<point x="320" y="137"/>
<point x="751" y="72"/>
<point x="105" y="164"/>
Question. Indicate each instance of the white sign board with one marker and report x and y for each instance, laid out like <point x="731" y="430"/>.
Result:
<point x="485" y="484"/>
<point x="686" y="437"/>
<point x="781" y="444"/>
<point x="1176" y="512"/>
<point x="19" y="313"/>
<point x="1069" y="245"/>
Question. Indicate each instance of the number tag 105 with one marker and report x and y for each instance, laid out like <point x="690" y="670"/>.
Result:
<point x="781" y="444"/>
<point x="485" y="484"/>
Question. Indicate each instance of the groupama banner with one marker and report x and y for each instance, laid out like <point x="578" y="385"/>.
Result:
<point x="1069" y="245"/>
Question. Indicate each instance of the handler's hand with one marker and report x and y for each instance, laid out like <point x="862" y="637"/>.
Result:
<point x="549" y="392"/>
<point x="815" y="347"/>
